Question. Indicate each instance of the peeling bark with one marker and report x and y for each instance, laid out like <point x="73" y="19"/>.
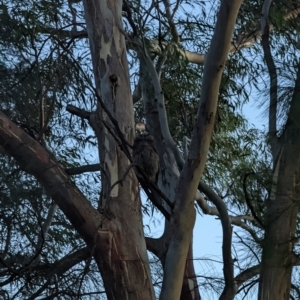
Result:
<point x="121" y="250"/>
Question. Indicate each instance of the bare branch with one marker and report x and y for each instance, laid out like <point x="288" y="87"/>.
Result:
<point x="265" y="29"/>
<point x="45" y="227"/>
<point x="156" y="48"/>
<point x="83" y="169"/>
<point x="174" y="32"/>
<point x="246" y="275"/>
<point x="250" y="248"/>
<point x="78" y="111"/>
<point x="234" y="220"/>
<point x="67" y="262"/>
<point x="227" y="236"/>
<point x="248" y="201"/>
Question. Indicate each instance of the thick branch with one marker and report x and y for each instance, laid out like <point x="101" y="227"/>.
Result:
<point x="156" y="47"/>
<point x="36" y="160"/>
<point x="160" y="106"/>
<point x="246" y="275"/>
<point x="265" y="28"/>
<point x="69" y="261"/>
<point x="78" y="112"/>
<point x="59" y="267"/>
<point x="155" y="246"/>
<point x="173" y="28"/>
<point x="193" y="168"/>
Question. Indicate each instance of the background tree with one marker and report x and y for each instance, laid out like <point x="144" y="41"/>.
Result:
<point x="71" y="213"/>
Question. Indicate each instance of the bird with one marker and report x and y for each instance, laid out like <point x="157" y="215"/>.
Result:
<point x="145" y="157"/>
<point x="146" y="165"/>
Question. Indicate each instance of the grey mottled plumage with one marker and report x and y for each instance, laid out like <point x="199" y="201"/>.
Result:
<point x="145" y="156"/>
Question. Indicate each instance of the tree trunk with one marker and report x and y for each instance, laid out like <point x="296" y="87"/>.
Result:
<point x="190" y="288"/>
<point x="275" y="279"/>
<point x="282" y="209"/>
<point x="182" y="222"/>
<point x="120" y="249"/>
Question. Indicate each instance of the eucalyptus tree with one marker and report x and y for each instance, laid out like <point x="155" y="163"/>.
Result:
<point x="71" y="213"/>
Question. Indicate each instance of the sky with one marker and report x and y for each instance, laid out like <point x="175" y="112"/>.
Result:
<point x="208" y="229"/>
<point x="207" y="235"/>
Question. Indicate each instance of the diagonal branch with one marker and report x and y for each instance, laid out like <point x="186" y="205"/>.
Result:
<point x="36" y="160"/>
<point x="78" y="111"/>
<point x="246" y="275"/>
<point x="248" y="201"/>
<point x="66" y="263"/>
<point x="184" y="213"/>
<point x="46" y="226"/>
<point x="149" y="188"/>
<point x="160" y="105"/>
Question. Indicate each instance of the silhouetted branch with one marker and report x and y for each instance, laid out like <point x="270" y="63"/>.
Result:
<point x="83" y="169"/>
<point x="265" y="28"/>
<point x="227" y="234"/>
<point x="78" y="111"/>
<point x="248" y="200"/>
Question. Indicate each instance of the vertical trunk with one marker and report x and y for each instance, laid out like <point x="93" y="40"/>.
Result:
<point x="120" y="249"/>
<point x="183" y="220"/>
<point x="282" y="209"/>
<point x="190" y="289"/>
<point x="275" y="278"/>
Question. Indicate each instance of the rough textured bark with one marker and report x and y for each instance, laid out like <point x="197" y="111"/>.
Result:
<point x="282" y="210"/>
<point x="276" y="271"/>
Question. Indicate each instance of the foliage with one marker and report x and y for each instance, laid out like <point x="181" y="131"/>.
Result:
<point x="44" y="55"/>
